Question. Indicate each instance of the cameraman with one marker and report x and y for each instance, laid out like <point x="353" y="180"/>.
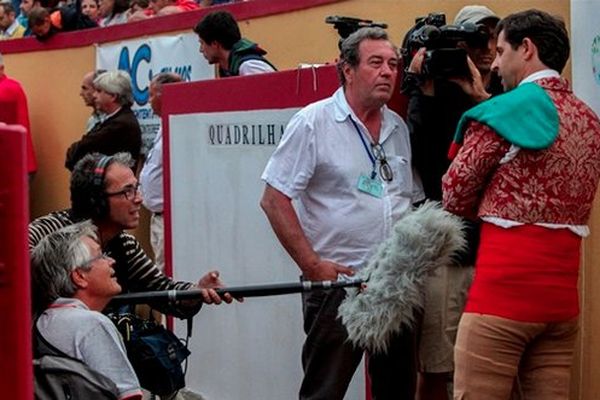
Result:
<point x="435" y="106"/>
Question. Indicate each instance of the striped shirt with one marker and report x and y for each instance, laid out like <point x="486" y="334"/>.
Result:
<point x="136" y="272"/>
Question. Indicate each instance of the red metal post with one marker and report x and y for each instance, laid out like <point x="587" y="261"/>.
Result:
<point x="15" y="334"/>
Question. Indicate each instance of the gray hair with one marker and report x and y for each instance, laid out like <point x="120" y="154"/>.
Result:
<point x="55" y="257"/>
<point x="166" y="77"/>
<point x="349" y="49"/>
<point x="117" y="83"/>
<point x="97" y="73"/>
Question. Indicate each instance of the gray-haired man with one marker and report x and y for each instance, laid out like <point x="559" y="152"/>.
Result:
<point x="346" y="162"/>
<point x="119" y="131"/>
<point x="77" y="281"/>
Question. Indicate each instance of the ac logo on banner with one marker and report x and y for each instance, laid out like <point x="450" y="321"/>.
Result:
<point x="143" y="53"/>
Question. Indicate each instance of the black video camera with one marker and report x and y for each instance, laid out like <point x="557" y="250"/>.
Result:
<point x="348" y="25"/>
<point x="442" y="59"/>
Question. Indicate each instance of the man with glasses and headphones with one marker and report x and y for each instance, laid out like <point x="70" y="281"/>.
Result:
<point x="105" y="190"/>
<point x="345" y="161"/>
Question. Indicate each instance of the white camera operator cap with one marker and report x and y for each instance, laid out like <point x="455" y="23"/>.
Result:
<point x="474" y="15"/>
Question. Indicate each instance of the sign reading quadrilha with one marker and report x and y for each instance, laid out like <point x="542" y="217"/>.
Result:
<point x="245" y="134"/>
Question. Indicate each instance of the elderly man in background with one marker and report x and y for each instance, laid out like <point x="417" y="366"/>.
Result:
<point x="87" y="94"/>
<point x="78" y="281"/>
<point x="119" y="131"/>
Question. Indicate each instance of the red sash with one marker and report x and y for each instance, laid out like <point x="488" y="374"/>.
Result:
<point x="526" y="273"/>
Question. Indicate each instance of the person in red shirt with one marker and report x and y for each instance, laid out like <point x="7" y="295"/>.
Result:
<point x="13" y="110"/>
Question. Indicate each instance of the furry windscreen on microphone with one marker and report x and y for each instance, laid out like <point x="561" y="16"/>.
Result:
<point x="421" y="241"/>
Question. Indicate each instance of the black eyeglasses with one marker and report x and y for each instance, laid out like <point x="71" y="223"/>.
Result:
<point x="385" y="171"/>
<point x="129" y="191"/>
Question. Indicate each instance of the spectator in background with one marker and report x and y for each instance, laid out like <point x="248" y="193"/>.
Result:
<point x="9" y="26"/>
<point x="151" y="177"/>
<point x="90" y="8"/>
<point x="137" y="6"/>
<point x="112" y="12"/>
<point x="164" y="7"/>
<point x="221" y="43"/>
<point x="44" y="24"/>
<point x="120" y="130"/>
<point x="23" y="18"/>
<point x="87" y="94"/>
<point x="13" y="110"/>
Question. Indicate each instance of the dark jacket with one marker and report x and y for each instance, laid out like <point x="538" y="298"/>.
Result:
<point x="432" y="122"/>
<point x="242" y="51"/>
<point x="119" y="133"/>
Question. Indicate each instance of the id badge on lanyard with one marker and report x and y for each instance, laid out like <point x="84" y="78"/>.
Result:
<point x="369" y="184"/>
<point x="372" y="186"/>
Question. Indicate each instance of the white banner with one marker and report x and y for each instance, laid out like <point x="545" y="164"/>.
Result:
<point x="143" y="59"/>
<point x="585" y="39"/>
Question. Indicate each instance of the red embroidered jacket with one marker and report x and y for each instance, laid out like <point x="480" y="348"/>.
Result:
<point x="556" y="185"/>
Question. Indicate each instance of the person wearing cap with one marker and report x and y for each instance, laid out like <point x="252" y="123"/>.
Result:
<point x="482" y="55"/>
<point x="434" y="109"/>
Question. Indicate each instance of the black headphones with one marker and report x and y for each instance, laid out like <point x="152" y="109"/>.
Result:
<point x="98" y="200"/>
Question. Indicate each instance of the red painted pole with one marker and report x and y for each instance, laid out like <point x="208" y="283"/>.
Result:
<point x="16" y="380"/>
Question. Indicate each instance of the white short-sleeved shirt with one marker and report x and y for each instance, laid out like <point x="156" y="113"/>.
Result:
<point x="253" y="67"/>
<point x="151" y="177"/>
<point x="70" y="326"/>
<point x="318" y="164"/>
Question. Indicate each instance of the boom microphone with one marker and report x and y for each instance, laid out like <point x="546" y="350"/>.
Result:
<point x="236" y="291"/>
<point x="421" y="241"/>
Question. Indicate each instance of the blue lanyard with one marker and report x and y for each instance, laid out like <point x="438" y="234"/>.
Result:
<point x="371" y="157"/>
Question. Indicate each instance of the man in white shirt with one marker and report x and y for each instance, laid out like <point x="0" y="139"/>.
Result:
<point x="345" y="162"/>
<point x="151" y="177"/>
